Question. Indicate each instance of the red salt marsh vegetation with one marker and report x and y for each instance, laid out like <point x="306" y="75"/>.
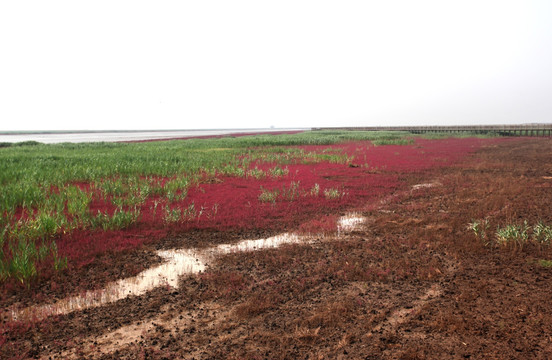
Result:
<point x="414" y="280"/>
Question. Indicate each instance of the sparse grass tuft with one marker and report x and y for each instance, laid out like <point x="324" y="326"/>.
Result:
<point x="291" y="192"/>
<point x="315" y="190"/>
<point x="333" y="193"/>
<point x="277" y="171"/>
<point x="545" y="263"/>
<point x="120" y="219"/>
<point x="268" y="195"/>
<point x="479" y="228"/>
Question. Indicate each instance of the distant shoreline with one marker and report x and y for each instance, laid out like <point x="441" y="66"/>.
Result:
<point x="40" y="132"/>
<point x="73" y="136"/>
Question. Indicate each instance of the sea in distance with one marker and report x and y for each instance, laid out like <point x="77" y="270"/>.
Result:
<point x="53" y="137"/>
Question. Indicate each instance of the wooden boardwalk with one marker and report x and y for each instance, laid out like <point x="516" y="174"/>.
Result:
<point x="505" y="130"/>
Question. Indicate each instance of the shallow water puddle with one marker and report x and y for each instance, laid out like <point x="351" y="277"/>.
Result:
<point x="425" y="185"/>
<point x="349" y="222"/>
<point x="178" y="262"/>
<point x="252" y="245"/>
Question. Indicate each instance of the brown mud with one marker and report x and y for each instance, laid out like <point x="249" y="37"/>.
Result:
<point x="411" y="283"/>
<point x="112" y="266"/>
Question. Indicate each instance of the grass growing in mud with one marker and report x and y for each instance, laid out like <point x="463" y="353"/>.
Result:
<point x="513" y="235"/>
<point x="48" y="190"/>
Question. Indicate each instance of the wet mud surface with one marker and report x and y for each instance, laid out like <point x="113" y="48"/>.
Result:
<point x="96" y="275"/>
<point x="410" y="283"/>
<point x="113" y="266"/>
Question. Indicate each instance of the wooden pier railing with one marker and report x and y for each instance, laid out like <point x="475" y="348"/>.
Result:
<point x="506" y="130"/>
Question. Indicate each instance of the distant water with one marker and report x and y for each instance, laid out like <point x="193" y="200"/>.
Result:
<point x="115" y="136"/>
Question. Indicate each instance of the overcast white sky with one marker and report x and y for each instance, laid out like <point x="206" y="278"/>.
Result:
<point x="250" y="64"/>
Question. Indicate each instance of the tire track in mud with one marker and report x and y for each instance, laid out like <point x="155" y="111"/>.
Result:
<point x="403" y="314"/>
<point x="210" y="314"/>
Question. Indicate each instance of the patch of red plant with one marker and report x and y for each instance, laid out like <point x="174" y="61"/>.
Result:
<point x="82" y="246"/>
<point x="324" y="225"/>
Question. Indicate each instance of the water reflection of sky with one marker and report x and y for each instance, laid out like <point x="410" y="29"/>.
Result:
<point x="178" y="262"/>
<point x="79" y="137"/>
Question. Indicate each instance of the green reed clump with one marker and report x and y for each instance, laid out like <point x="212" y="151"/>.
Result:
<point x="513" y="235"/>
<point x="180" y="214"/>
<point x="256" y="173"/>
<point x="24" y="256"/>
<point x="120" y="219"/>
<point x="289" y="193"/>
<point x="542" y="234"/>
<point x="315" y="190"/>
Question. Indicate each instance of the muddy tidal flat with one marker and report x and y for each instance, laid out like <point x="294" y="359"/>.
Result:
<point x="409" y="248"/>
